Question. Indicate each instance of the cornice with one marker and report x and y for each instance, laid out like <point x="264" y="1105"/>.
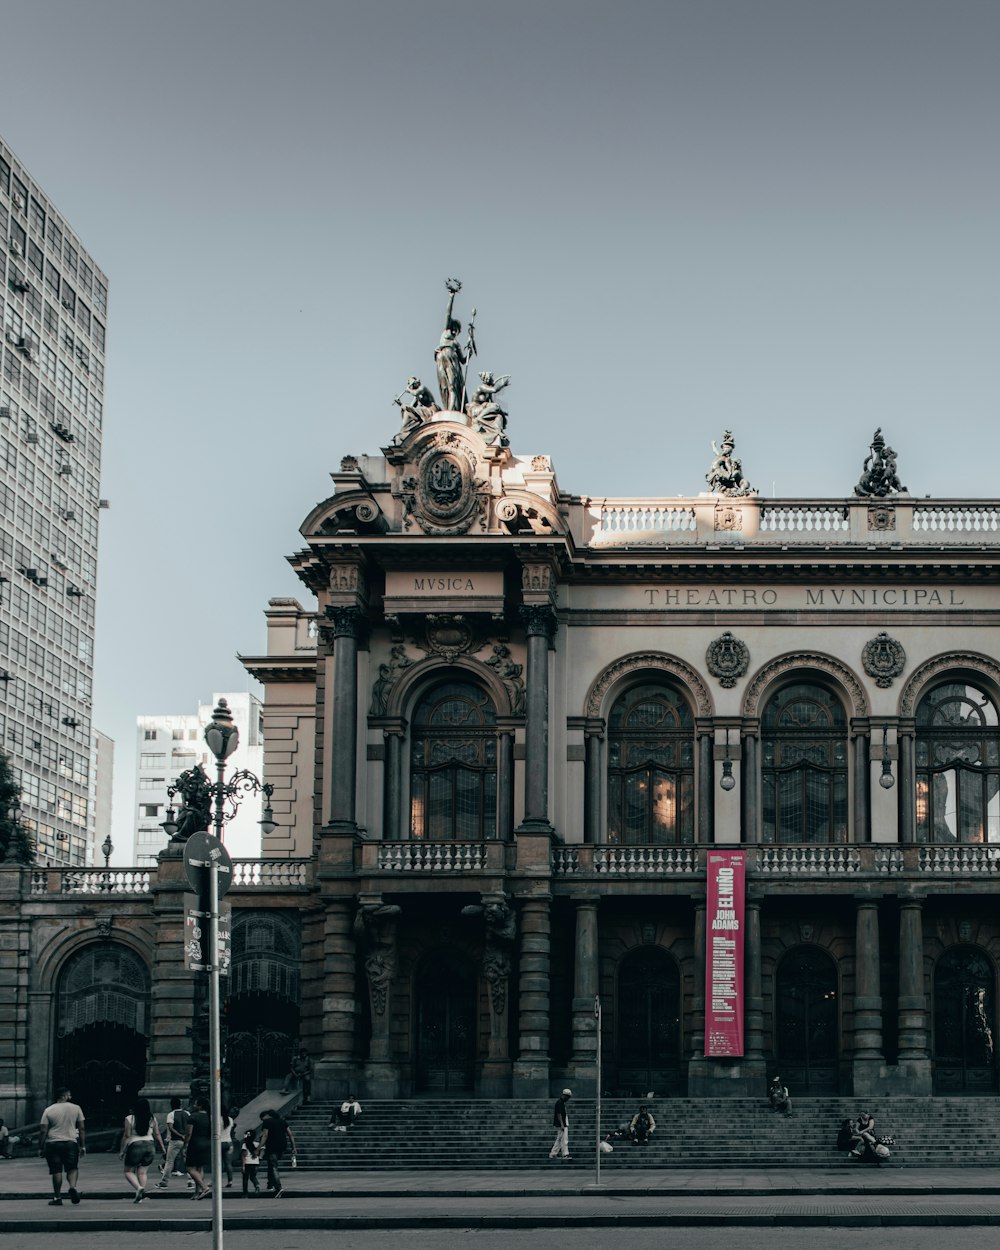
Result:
<point x="274" y="669"/>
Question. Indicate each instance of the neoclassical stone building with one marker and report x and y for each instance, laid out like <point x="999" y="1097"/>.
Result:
<point x="505" y="733"/>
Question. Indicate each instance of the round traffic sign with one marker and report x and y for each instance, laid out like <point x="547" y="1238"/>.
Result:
<point x="201" y="852"/>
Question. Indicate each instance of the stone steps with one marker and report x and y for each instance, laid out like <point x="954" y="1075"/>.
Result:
<point x="722" y="1133"/>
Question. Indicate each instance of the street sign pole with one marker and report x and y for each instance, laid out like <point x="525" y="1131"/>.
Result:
<point x="214" y="1056"/>
<point x="597" y="1149"/>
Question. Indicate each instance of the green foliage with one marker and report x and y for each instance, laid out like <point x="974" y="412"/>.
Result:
<point x="15" y="841"/>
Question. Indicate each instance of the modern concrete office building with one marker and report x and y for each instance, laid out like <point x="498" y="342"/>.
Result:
<point x="167" y="746"/>
<point x="54" y="300"/>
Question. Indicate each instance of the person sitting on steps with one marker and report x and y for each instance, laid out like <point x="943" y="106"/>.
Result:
<point x="642" y="1125"/>
<point x="777" y="1096"/>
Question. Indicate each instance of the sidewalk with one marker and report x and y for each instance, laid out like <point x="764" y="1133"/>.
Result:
<point x="543" y="1196"/>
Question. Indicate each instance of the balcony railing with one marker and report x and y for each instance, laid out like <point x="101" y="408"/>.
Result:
<point x="271" y="874"/>
<point x="99" y="881"/>
<point x="715" y="519"/>
<point x="433" y="857"/>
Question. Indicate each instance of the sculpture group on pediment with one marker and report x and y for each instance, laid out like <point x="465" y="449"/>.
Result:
<point x="878" y="476"/>
<point x="478" y="405"/>
<point x="725" y="477"/>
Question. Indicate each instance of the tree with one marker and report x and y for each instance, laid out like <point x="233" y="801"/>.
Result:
<point x="15" y="842"/>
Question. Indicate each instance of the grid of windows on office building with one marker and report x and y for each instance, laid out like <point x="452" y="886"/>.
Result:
<point x="53" y="302"/>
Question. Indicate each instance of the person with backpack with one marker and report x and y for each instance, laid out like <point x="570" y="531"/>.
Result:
<point x="177" y="1122"/>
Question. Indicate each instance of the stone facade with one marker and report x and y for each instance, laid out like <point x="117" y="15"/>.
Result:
<point x="497" y="735"/>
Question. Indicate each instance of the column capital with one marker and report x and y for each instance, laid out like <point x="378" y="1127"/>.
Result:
<point x="539" y="620"/>
<point x="867" y="897"/>
<point x="345" y="621"/>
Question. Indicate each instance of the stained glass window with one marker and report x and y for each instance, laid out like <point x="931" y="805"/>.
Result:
<point x="453" y="765"/>
<point x="804" y="766"/>
<point x="650" y="767"/>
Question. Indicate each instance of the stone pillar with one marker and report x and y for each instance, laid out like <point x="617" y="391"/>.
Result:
<point x="337" y="1066"/>
<point x="868" y="1061"/>
<point x="376" y="929"/>
<point x="505" y="783"/>
<point x="906" y="783"/>
<point x="172" y="989"/>
<point x="343" y="631"/>
<point x="698" y="995"/>
<point x="914" y="1067"/>
<point x="749" y="785"/>
<point x="539" y="624"/>
<point x="862" y="783"/>
<point x="498" y="947"/>
<point x="585" y="988"/>
<point x="593" y="781"/>
<point x="392" y="817"/>
<point x="706" y="782"/>
<point x="531" y="1071"/>
<point x="753" y="989"/>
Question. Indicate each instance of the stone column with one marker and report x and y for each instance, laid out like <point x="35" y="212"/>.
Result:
<point x="343" y="631"/>
<point x="375" y="927"/>
<point x="392" y="816"/>
<point x="753" y="982"/>
<point x="539" y="624"/>
<point x="749" y="785"/>
<point x="172" y="987"/>
<point x="593" y="781"/>
<point x="914" y="1032"/>
<point x="337" y="1065"/>
<point x="867" y="1052"/>
<point x="531" y="1071"/>
<point x="505" y="783"/>
<point x="585" y="987"/>
<point x="862" y="811"/>
<point x="706" y="782"/>
<point x="907" y="782"/>
<point x="500" y="935"/>
<point x="698" y="995"/>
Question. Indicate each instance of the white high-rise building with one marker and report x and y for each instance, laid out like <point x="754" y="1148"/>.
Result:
<point x="53" y="300"/>
<point x="167" y="746"/>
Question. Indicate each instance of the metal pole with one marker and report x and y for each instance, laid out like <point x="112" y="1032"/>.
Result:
<point x="214" y="1025"/>
<point x="597" y="1016"/>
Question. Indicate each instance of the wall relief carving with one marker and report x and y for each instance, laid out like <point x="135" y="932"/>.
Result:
<point x="728" y="659"/>
<point x="883" y="658"/>
<point x="805" y="660"/>
<point x="388" y="674"/>
<point x="509" y="672"/>
<point x="444" y="496"/>
<point x="654" y="661"/>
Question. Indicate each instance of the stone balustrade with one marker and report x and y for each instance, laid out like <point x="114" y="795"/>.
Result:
<point x="568" y="861"/>
<point x="715" y="519"/>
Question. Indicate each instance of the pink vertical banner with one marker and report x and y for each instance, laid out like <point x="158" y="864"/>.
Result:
<point x="724" y="953"/>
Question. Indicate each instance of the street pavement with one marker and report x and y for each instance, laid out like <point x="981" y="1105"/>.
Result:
<point x="546" y="1196"/>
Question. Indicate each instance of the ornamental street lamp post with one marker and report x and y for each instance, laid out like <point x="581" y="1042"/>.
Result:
<point x="222" y="738"/>
<point x="107" y="847"/>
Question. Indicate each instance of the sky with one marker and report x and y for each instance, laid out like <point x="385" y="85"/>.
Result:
<point x="779" y="217"/>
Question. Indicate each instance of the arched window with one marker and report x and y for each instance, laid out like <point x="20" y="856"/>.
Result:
<point x="804" y="766"/>
<point x="650" y="767"/>
<point x="958" y="765"/>
<point x="453" y="765"/>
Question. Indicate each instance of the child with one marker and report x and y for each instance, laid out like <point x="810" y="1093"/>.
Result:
<point x="250" y="1161"/>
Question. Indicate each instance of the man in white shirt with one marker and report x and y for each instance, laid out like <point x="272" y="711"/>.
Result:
<point x="61" y="1142"/>
<point x="177" y="1122"/>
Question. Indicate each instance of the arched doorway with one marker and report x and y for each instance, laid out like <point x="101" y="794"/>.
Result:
<point x="102" y="1029"/>
<point x="648" y="1034"/>
<point x="446" y="1026"/>
<point x="262" y="1008"/>
<point x="805" y="994"/>
<point x="964" y="1022"/>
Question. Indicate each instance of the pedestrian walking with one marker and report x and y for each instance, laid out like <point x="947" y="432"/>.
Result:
<point x="560" y="1119"/>
<point x="249" y="1162"/>
<point x="139" y="1133"/>
<point x="61" y="1142"/>
<point x="274" y="1140"/>
<point x="177" y="1122"/>
<point x="228" y="1143"/>
<point x="198" y="1148"/>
